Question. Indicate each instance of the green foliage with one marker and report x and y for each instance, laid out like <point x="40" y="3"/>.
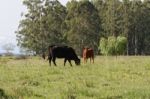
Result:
<point x="82" y="23"/>
<point x="103" y="46"/>
<point x="129" y="18"/>
<point x="121" y="45"/>
<point x="41" y="25"/>
<point x="113" y="45"/>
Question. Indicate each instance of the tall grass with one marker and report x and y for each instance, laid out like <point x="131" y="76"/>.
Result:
<point x="108" y="78"/>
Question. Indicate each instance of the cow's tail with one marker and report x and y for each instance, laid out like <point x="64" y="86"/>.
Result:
<point x="50" y="51"/>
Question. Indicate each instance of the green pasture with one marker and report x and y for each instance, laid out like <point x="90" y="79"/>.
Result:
<point x="110" y="77"/>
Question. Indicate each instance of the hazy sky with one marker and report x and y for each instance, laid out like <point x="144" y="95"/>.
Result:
<point x="10" y="15"/>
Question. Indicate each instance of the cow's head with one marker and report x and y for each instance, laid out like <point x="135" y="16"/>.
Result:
<point x="77" y="61"/>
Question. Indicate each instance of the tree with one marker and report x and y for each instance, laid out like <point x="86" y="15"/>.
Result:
<point x="25" y="51"/>
<point x="28" y="33"/>
<point x="129" y="18"/>
<point x="145" y="46"/>
<point x="8" y="47"/>
<point x="82" y="25"/>
<point x="41" y="25"/>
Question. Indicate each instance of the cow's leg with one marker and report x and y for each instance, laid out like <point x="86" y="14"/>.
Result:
<point x="86" y="60"/>
<point x="90" y="59"/>
<point x="83" y="59"/>
<point x="65" y="61"/>
<point x="93" y="59"/>
<point x="49" y="58"/>
<point x="70" y="62"/>
<point x="54" y="59"/>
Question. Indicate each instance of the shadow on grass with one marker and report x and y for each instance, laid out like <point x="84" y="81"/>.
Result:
<point x="3" y="95"/>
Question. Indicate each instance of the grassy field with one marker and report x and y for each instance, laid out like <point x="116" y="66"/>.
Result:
<point x="108" y="78"/>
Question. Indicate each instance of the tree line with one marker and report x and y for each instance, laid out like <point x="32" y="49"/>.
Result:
<point x="83" y="23"/>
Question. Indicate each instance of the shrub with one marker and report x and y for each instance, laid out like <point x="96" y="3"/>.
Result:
<point x="121" y="45"/>
<point x="103" y="46"/>
<point x="113" y="45"/>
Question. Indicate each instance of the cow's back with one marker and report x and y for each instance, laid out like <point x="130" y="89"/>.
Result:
<point x="59" y="52"/>
<point x="63" y="52"/>
<point x="88" y="52"/>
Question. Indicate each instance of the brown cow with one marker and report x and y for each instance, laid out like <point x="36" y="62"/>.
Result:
<point x="88" y="53"/>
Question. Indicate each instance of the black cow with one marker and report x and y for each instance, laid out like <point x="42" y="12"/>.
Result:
<point x="43" y="56"/>
<point x="65" y="52"/>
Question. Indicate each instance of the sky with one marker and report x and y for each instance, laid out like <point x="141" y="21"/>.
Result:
<point x="10" y="15"/>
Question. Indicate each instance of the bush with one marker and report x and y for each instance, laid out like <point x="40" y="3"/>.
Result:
<point x="19" y="57"/>
<point x="113" y="45"/>
<point x="103" y="46"/>
<point x="121" y="45"/>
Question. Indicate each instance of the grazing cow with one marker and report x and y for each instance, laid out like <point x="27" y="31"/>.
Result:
<point x="65" y="52"/>
<point x="88" y="53"/>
